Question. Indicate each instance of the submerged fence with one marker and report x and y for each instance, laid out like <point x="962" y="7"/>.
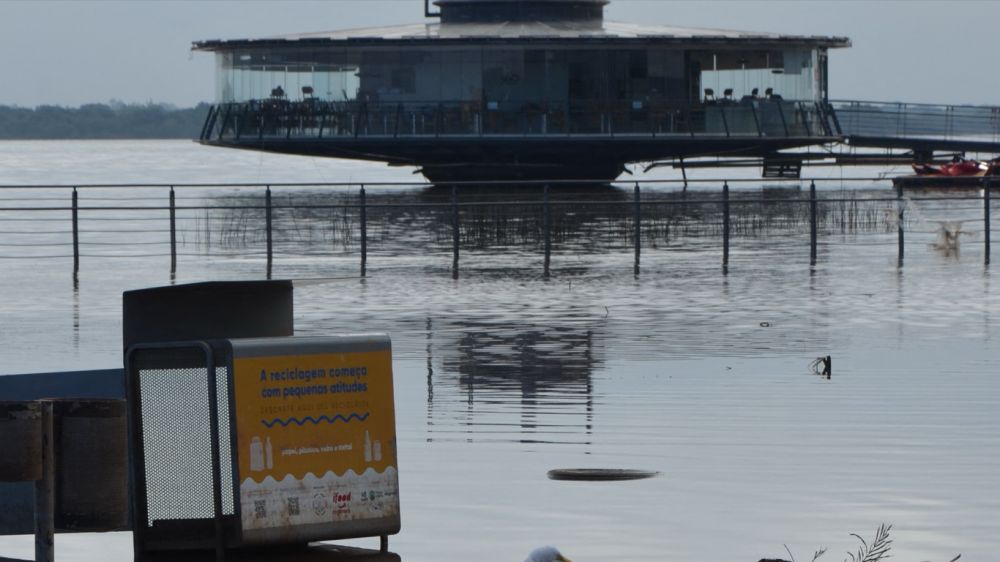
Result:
<point x="268" y="221"/>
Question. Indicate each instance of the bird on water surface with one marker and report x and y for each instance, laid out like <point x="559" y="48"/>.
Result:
<point x="546" y="554"/>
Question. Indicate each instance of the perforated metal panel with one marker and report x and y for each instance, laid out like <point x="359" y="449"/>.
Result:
<point x="225" y="446"/>
<point x="177" y="443"/>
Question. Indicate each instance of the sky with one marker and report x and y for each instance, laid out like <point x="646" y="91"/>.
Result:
<point x="91" y="51"/>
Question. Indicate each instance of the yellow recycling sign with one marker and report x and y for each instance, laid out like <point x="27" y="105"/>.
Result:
<point x="316" y="438"/>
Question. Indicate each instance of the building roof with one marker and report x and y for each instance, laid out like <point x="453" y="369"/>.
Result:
<point x="531" y="31"/>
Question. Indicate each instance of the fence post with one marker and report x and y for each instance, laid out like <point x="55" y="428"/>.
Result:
<point x="45" y="489"/>
<point x="547" y="229"/>
<point x="725" y="227"/>
<point x="76" y="235"/>
<point x="986" y="219"/>
<point x="173" y="232"/>
<point x="364" y="233"/>
<point x="638" y="227"/>
<point x="454" y="231"/>
<point x="267" y="223"/>
<point x="812" y="223"/>
<point x="900" y="218"/>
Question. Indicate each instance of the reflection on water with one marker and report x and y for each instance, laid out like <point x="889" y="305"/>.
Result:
<point x="495" y="377"/>
<point x="316" y="222"/>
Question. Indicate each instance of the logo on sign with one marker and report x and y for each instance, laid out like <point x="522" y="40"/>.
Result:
<point x="320" y="504"/>
<point x="342" y="500"/>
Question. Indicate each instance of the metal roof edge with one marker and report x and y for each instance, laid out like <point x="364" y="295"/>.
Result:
<point x="826" y="42"/>
<point x="525" y="31"/>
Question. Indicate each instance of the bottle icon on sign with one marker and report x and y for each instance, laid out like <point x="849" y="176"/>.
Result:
<point x="256" y="455"/>
<point x="368" y="447"/>
<point x="377" y="450"/>
<point x="269" y="454"/>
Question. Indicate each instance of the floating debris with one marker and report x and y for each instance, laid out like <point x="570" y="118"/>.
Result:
<point x="546" y="554"/>
<point x="949" y="237"/>
<point x="600" y="474"/>
<point x="822" y="366"/>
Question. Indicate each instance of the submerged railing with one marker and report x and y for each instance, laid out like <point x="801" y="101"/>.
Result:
<point x="316" y="221"/>
<point x="315" y="119"/>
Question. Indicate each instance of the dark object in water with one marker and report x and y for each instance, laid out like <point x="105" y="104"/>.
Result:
<point x="600" y="474"/>
<point x="823" y="366"/>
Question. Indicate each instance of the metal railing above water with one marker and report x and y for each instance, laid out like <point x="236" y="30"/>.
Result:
<point x="922" y="128"/>
<point x="348" y="220"/>
<point x="315" y="119"/>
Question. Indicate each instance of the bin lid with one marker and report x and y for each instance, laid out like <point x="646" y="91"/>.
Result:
<point x="204" y="311"/>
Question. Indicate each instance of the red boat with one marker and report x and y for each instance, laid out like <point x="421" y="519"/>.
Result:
<point x="960" y="167"/>
<point x="960" y="173"/>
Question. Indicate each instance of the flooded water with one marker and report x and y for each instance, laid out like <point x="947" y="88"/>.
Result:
<point x="504" y="374"/>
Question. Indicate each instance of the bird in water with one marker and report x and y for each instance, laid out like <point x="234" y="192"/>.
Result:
<point x="546" y="554"/>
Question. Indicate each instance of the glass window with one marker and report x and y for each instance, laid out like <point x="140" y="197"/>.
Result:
<point x="225" y="90"/>
<point x="457" y="76"/>
<point x="738" y="75"/>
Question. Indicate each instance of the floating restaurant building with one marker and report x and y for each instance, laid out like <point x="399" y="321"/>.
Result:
<point x="522" y="89"/>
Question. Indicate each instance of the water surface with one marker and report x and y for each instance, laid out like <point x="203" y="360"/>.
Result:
<point x="503" y="374"/>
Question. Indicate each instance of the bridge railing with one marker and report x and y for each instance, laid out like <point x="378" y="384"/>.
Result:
<point x="916" y="120"/>
<point x="275" y="119"/>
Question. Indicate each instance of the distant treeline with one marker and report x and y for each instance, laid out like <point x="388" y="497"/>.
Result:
<point x="102" y="121"/>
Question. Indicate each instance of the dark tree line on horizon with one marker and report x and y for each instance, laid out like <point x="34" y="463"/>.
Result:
<point x="101" y="121"/>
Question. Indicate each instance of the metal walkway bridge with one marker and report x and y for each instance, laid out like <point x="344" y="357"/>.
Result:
<point x="922" y="128"/>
